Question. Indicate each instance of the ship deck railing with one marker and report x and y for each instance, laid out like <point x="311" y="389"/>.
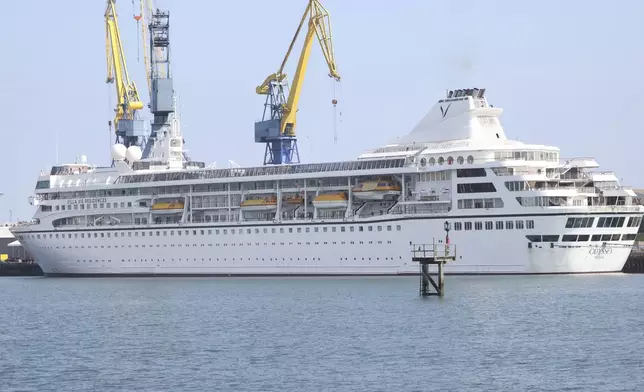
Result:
<point x="433" y="253"/>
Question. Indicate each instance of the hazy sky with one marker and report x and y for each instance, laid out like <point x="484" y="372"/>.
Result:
<point x="568" y="73"/>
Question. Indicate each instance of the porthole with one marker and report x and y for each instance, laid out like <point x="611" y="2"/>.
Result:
<point x="432" y="161"/>
<point x="423" y="162"/>
<point x="460" y="160"/>
<point x="470" y="159"/>
<point x="450" y="160"/>
<point x="441" y="160"/>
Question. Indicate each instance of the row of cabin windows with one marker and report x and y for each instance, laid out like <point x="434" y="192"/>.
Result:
<point x="240" y="244"/>
<point x="234" y="259"/>
<point x="89" y="206"/>
<point x="634" y="221"/>
<point x="575" y="223"/>
<point x="465" y="204"/>
<point x="282" y="230"/>
<point x="613" y="221"/>
<point x="498" y="225"/>
<point x="476" y="187"/>
<point x="581" y="237"/>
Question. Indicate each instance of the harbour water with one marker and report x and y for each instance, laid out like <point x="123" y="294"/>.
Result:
<point x="517" y="333"/>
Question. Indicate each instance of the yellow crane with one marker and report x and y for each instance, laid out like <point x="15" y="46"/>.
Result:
<point x="127" y="126"/>
<point x="277" y="128"/>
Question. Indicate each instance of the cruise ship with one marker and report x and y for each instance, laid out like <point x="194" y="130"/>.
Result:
<point x="513" y="208"/>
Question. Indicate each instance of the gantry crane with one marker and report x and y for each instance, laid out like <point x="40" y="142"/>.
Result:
<point x="156" y="23"/>
<point x="277" y="128"/>
<point x="129" y="128"/>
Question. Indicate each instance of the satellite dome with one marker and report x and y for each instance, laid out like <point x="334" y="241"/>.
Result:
<point x="118" y="152"/>
<point x="133" y="153"/>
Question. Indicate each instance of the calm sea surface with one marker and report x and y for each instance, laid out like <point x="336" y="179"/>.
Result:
<point x="545" y="333"/>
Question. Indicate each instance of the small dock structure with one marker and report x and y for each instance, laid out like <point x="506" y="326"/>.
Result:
<point x="433" y="254"/>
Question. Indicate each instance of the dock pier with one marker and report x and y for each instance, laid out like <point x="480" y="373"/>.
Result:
<point x="433" y="254"/>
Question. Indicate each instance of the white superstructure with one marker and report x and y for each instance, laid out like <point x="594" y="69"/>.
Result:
<point x="513" y="208"/>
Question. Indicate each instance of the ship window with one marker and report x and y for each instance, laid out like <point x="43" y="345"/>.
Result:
<point x="351" y="228"/>
<point x="379" y="228"/>
<point x="232" y="231"/>
<point x="324" y="229"/>
<point x="299" y="229"/>
<point x="550" y="238"/>
<point x="273" y="230"/>
<point x="57" y="207"/>
<point x="569" y="238"/>
<point x="129" y="234"/>
<point x="596" y="237"/>
<point x="470" y="159"/>
<point x="202" y="233"/>
<point x="628" y="237"/>
<point x="478" y="225"/>
<point x="489" y="225"/>
<point x="432" y="161"/>
<point x="579" y="222"/>
<point x="388" y="228"/>
<point x="450" y="160"/>
<point x="136" y="234"/>
<point x="441" y="160"/>
<point x="499" y="225"/>
<point x="94" y="205"/>
<point x="479" y="172"/>
<point x="102" y="205"/>
<point x="308" y="230"/>
<point x="533" y="238"/>
<point x="172" y="232"/>
<point x="360" y="228"/>
<point x="529" y="224"/>
<point x="509" y="225"/>
<point x="398" y="228"/>
<point x="370" y="228"/>
<point x="458" y="226"/>
<point x="248" y="231"/>
<point x="468" y="225"/>
<point x="634" y="221"/>
<point x="102" y="235"/>
<point x="265" y="230"/>
<point x="519" y="224"/>
<point x="108" y="235"/>
<point x="615" y="237"/>
<point x="423" y="162"/>
<point x="606" y="237"/>
<point x="477" y="187"/>
<point x="460" y="160"/>
<point x="109" y="205"/>
<point x="194" y="232"/>
<point x="225" y="231"/>
<point x="583" y="237"/>
<point x="281" y="230"/>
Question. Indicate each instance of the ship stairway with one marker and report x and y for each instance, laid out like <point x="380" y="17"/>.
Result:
<point x="356" y="211"/>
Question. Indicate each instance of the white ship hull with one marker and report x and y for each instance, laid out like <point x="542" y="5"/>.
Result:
<point x="323" y="253"/>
